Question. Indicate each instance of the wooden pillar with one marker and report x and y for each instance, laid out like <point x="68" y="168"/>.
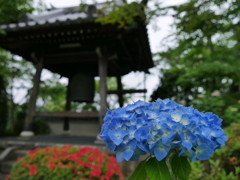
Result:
<point x="33" y="97"/>
<point x="67" y="108"/>
<point x="120" y="88"/>
<point x="102" y="71"/>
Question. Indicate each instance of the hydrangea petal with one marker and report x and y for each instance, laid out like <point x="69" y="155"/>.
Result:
<point x="127" y="154"/>
<point x="141" y="133"/>
<point x="119" y="156"/>
<point x="160" y="150"/>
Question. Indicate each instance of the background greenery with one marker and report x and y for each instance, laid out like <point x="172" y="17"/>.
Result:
<point x="203" y="65"/>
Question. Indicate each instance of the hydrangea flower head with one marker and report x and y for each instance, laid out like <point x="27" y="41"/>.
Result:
<point x="160" y="126"/>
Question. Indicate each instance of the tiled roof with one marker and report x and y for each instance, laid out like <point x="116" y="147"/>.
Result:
<point x="56" y="16"/>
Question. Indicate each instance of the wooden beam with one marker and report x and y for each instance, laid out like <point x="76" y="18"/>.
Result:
<point x="69" y="114"/>
<point x="33" y="95"/>
<point x="83" y="53"/>
<point x="70" y="59"/>
<point x="120" y="89"/>
<point x="102" y="70"/>
<point x="74" y="57"/>
<point x="125" y="91"/>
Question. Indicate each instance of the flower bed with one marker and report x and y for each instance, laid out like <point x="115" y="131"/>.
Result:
<point x="66" y="163"/>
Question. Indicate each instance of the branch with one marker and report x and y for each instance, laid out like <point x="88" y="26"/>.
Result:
<point x="144" y="2"/>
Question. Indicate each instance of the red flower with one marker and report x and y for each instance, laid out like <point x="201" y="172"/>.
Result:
<point x="100" y="160"/>
<point x="8" y="176"/>
<point x="233" y="161"/>
<point x="51" y="165"/>
<point x="88" y="164"/>
<point x="73" y="157"/>
<point x="34" y="151"/>
<point x="91" y="158"/>
<point x="33" y="157"/>
<point x="33" y="169"/>
<point x="67" y="146"/>
<point x="47" y="150"/>
<point x="96" y="171"/>
<point x="110" y="171"/>
<point x="64" y="152"/>
<point x="83" y="163"/>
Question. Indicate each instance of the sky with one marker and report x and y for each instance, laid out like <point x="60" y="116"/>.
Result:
<point x="134" y="79"/>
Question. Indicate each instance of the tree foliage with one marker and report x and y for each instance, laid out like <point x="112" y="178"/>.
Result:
<point x="52" y="95"/>
<point x="16" y="76"/>
<point x="125" y="13"/>
<point x="12" y="11"/>
<point x="15" y="73"/>
<point x="204" y="64"/>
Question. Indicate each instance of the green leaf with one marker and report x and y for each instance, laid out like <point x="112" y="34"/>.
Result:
<point x="157" y="170"/>
<point x="180" y="166"/>
<point x="2" y="32"/>
<point x="139" y="173"/>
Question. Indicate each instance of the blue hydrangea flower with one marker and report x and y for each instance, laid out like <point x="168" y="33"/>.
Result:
<point x="159" y="127"/>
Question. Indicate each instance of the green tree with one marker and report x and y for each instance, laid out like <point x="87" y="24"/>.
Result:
<point x="14" y="72"/>
<point x="204" y="63"/>
<point x="12" y="11"/>
<point x="126" y="14"/>
<point x="52" y="95"/>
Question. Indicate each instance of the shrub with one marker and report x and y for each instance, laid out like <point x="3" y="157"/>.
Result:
<point x="224" y="163"/>
<point x="40" y="127"/>
<point x="66" y="163"/>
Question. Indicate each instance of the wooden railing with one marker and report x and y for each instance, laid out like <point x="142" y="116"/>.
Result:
<point x="85" y="114"/>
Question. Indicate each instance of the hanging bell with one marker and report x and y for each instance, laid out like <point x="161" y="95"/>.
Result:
<point x="82" y="87"/>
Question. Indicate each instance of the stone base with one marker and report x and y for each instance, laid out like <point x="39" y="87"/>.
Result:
<point x="26" y="135"/>
<point x="97" y="141"/>
<point x="66" y="133"/>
